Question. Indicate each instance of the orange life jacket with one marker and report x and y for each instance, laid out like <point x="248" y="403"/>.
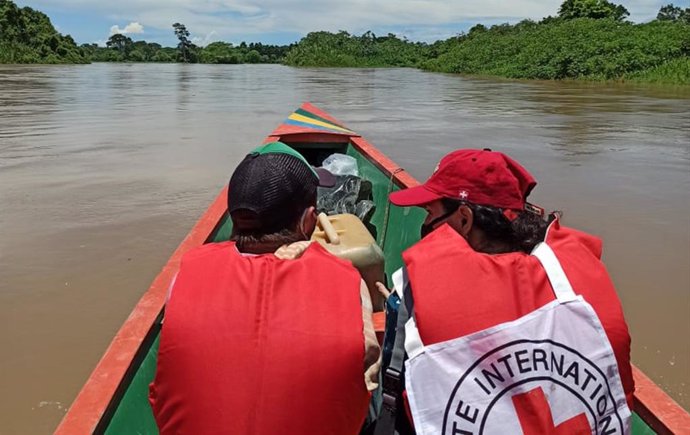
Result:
<point x="458" y="291"/>
<point x="257" y="345"/>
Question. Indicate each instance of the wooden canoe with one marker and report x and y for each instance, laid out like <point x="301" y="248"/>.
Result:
<point x="114" y="398"/>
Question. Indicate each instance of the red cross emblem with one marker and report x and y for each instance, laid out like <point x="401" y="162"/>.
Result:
<point x="534" y="413"/>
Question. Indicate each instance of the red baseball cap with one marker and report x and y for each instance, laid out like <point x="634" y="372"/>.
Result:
<point x="482" y="177"/>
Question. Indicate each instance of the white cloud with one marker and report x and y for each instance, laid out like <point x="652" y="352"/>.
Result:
<point x="134" y="27"/>
<point x="236" y="20"/>
<point x="203" y="41"/>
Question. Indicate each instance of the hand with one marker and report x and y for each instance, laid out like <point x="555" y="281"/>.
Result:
<point x="383" y="290"/>
<point x="292" y="251"/>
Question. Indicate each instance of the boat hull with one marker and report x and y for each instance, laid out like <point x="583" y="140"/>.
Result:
<point x="114" y="400"/>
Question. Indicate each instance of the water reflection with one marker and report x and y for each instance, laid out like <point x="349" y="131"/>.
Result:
<point x="184" y="81"/>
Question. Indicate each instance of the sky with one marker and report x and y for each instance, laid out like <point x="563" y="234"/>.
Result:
<point x="287" y="21"/>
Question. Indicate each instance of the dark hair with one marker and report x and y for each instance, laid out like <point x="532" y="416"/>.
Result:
<point x="285" y="231"/>
<point x="244" y="239"/>
<point x="520" y="235"/>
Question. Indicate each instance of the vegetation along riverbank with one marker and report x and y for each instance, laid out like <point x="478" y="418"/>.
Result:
<point x="587" y="39"/>
<point x="28" y="36"/>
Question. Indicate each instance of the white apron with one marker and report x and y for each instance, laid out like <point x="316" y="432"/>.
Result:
<point x="550" y="372"/>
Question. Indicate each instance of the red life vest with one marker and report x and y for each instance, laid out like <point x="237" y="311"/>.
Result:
<point x="458" y="291"/>
<point x="257" y="345"/>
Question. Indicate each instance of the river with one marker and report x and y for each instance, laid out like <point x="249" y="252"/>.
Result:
<point x="105" y="167"/>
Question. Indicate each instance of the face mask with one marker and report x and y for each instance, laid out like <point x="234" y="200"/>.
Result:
<point x="427" y="228"/>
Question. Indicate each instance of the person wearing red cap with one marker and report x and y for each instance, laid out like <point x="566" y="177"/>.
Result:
<point x="509" y="322"/>
<point x="249" y="344"/>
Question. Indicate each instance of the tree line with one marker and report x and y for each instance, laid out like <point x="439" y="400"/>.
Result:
<point x="121" y="48"/>
<point x="586" y="39"/>
<point x="604" y="48"/>
<point x="27" y="36"/>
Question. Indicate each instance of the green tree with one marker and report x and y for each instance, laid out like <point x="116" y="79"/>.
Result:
<point x="344" y="50"/>
<point x="28" y="36"/>
<point x="121" y="43"/>
<point x="165" y="54"/>
<point x="252" y="56"/>
<point x="674" y="13"/>
<point x="185" y="46"/>
<point x="477" y="28"/>
<point x="219" y="52"/>
<point x="597" y="9"/>
<point x="582" y="48"/>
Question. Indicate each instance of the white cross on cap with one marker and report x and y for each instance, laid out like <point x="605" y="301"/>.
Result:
<point x="464" y="194"/>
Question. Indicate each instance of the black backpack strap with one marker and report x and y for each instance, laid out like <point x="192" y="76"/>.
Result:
<point x="393" y="381"/>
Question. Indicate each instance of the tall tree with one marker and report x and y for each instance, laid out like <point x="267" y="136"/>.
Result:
<point x="121" y="43"/>
<point x="185" y="45"/>
<point x="673" y="13"/>
<point x="571" y="9"/>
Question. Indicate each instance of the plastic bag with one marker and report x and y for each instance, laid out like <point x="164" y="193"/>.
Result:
<point x="340" y="198"/>
<point x="350" y="194"/>
<point x="341" y="164"/>
<point x="363" y="209"/>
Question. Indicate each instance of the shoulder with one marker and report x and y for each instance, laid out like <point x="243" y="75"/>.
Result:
<point x="203" y="252"/>
<point x="316" y="252"/>
<point x="559" y="236"/>
<point x="442" y="242"/>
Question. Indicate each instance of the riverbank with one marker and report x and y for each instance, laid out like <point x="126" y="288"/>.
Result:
<point x="675" y="72"/>
<point x="28" y="36"/>
<point x="554" y="49"/>
<point x="584" y="48"/>
<point x="577" y="44"/>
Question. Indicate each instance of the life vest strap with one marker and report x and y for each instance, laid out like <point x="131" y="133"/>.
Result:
<point x="393" y="379"/>
<point x="557" y="277"/>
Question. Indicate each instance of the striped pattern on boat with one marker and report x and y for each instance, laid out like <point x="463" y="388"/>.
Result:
<point x="304" y="118"/>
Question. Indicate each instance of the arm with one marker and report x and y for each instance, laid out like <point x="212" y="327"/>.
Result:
<point x="372" y="351"/>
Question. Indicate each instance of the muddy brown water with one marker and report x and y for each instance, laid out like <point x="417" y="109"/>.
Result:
<point x="104" y="169"/>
